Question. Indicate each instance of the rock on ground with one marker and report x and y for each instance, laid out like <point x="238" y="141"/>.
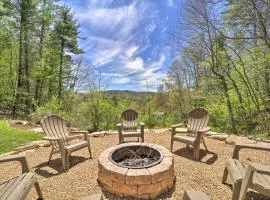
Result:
<point x="233" y="139"/>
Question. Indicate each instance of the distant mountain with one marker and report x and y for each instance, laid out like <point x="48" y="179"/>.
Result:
<point x="127" y="92"/>
<point x="132" y="96"/>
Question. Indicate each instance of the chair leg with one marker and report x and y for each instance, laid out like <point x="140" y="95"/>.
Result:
<point x="225" y="175"/>
<point x="171" y="145"/>
<point x="50" y="156"/>
<point x="121" y="140"/>
<point x="246" y="182"/>
<point x="138" y="139"/>
<point x="38" y="190"/>
<point x="67" y="160"/>
<point x="236" y="189"/>
<point x="142" y="138"/>
<point x="204" y="144"/>
<point x="196" y="150"/>
<point x="63" y="158"/>
<point x="89" y="149"/>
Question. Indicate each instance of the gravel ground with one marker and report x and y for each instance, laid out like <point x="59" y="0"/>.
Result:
<point x="81" y="179"/>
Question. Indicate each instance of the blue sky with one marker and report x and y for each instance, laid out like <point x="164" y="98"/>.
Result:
<point x="127" y="39"/>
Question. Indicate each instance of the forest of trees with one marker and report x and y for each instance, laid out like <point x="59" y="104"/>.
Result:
<point x="222" y="63"/>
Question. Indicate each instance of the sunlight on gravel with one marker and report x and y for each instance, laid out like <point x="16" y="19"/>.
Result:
<point x="81" y="179"/>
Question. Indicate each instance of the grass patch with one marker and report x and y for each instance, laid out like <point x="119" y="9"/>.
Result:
<point x="10" y="137"/>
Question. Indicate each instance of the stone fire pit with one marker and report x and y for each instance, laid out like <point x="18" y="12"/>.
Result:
<point x="139" y="170"/>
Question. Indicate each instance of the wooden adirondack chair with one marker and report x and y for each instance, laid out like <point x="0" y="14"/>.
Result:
<point x="57" y="133"/>
<point x="253" y="175"/>
<point x="19" y="187"/>
<point x="194" y="131"/>
<point x="129" y="126"/>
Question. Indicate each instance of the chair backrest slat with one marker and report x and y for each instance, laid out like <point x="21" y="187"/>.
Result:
<point x="55" y="126"/>
<point x="197" y="119"/>
<point x="129" y="117"/>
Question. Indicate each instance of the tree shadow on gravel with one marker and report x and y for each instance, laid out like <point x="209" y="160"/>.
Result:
<point x="207" y="157"/>
<point x="55" y="167"/>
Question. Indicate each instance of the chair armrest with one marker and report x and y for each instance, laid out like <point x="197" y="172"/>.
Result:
<point x="51" y="139"/>
<point x="20" y="158"/>
<point x="177" y="125"/>
<point x="78" y="132"/>
<point x="119" y="125"/>
<point x="85" y="133"/>
<point x="204" y="130"/>
<point x="240" y="146"/>
<point x="260" y="168"/>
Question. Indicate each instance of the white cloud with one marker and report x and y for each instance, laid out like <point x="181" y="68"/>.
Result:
<point x="131" y="51"/>
<point x="120" y="80"/>
<point x="170" y="3"/>
<point x="117" y="39"/>
<point x="136" y="64"/>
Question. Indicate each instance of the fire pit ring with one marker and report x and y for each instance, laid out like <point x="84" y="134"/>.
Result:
<point x="144" y="182"/>
<point x="136" y="156"/>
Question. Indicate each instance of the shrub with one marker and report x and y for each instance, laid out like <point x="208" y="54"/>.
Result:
<point x="51" y="107"/>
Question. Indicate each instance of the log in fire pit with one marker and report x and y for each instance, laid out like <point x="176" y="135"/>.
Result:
<point x="139" y="170"/>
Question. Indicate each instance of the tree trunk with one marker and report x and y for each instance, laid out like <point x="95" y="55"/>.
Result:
<point x="39" y="82"/>
<point x="61" y="70"/>
<point x="27" y="72"/>
<point x="19" y="87"/>
<point x="229" y="104"/>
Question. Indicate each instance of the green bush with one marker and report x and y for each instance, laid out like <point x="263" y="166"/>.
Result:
<point x="51" y="107"/>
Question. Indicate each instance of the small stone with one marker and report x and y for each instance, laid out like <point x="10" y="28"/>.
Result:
<point x="219" y="137"/>
<point x="26" y="147"/>
<point x="36" y="130"/>
<point x="98" y="134"/>
<point x="233" y="139"/>
<point x="41" y="143"/>
<point x="10" y="153"/>
<point x="18" y="122"/>
<point x="110" y="132"/>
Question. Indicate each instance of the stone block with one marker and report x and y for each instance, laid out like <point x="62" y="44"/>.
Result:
<point x="124" y="188"/>
<point x="150" y="188"/>
<point x="169" y="161"/>
<point x="160" y="172"/>
<point x="26" y="147"/>
<point x="114" y="172"/>
<point x="233" y="139"/>
<point x="167" y="184"/>
<point x="105" y="180"/>
<point x="138" y="176"/>
<point x="219" y="137"/>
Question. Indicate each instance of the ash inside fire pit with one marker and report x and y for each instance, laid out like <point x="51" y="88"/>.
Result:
<point x="136" y="156"/>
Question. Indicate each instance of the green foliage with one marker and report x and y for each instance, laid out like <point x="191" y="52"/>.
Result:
<point x="54" y="106"/>
<point x="12" y="137"/>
